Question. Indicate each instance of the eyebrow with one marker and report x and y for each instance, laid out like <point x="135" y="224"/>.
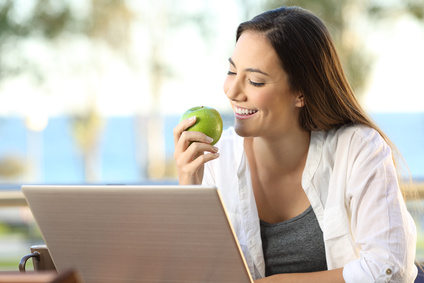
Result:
<point x="248" y="69"/>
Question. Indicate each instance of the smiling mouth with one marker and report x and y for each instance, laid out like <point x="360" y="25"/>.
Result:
<point x="244" y="112"/>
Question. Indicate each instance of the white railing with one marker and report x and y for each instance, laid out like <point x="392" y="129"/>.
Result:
<point x="15" y="197"/>
<point x="12" y="198"/>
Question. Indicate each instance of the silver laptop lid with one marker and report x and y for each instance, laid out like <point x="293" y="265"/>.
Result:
<point x="138" y="233"/>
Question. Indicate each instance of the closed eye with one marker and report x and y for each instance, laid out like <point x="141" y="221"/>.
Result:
<point x="256" y="84"/>
<point x="231" y="73"/>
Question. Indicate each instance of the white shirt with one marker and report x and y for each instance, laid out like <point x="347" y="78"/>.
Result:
<point x="351" y="183"/>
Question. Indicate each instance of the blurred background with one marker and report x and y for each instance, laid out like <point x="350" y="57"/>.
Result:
<point x="90" y="90"/>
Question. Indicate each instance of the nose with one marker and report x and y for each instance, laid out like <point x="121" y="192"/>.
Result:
<point x="233" y="89"/>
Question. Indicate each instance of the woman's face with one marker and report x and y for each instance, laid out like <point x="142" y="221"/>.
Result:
<point x="258" y="89"/>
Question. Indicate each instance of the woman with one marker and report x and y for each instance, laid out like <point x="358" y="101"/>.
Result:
<point x="308" y="180"/>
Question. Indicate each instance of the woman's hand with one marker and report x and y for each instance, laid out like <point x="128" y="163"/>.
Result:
<point x="190" y="157"/>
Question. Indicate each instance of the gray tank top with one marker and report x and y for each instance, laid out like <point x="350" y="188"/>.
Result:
<point x="295" y="245"/>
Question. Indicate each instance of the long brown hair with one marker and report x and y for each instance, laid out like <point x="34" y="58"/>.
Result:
<point x="308" y="55"/>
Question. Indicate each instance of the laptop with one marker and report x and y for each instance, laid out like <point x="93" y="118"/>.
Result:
<point x="116" y="233"/>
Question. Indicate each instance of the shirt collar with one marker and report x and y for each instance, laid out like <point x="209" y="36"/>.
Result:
<point x="314" y="157"/>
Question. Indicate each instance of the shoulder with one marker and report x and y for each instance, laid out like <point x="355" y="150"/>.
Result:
<point x="351" y="145"/>
<point x="354" y="136"/>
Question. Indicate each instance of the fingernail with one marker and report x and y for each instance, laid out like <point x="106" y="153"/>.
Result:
<point x="192" y="118"/>
<point x="216" y="149"/>
<point x="209" y="139"/>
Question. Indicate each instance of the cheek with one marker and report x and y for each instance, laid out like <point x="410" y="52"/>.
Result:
<point x="262" y="99"/>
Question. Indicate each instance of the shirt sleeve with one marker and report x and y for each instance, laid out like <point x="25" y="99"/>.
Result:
<point x="382" y="228"/>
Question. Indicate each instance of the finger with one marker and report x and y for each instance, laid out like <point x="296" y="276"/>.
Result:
<point x="197" y="163"/>
<point x="181" y="127"/>
<point x="193" y="136"/>
<point x="188" y="137"/>
<point x="192" y="152"/>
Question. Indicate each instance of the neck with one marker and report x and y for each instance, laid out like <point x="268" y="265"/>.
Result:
<point x="281" y="156"/>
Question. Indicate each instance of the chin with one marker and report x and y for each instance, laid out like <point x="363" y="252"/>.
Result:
<point x="243" y="131"/>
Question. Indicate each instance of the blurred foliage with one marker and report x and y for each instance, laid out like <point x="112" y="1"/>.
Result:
<point x="11" y="166"/>
<point x="106" y="21"/>
<point x="49" y="18"/>
<point x="4" y="229"/>
<point x="341" y="18"/>
<point x="383" y="10"/>
<point x="87" y="128"/>
<point x="109" y="21"/>
<point x="83" y="125"/>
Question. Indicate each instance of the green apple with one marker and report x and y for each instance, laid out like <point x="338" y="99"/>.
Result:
<point x="208" y="121"/>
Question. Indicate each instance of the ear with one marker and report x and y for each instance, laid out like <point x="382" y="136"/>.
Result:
<point x="300" y="102"/>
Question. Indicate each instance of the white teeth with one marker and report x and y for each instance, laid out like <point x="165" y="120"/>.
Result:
<point x="242" y="111"/>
